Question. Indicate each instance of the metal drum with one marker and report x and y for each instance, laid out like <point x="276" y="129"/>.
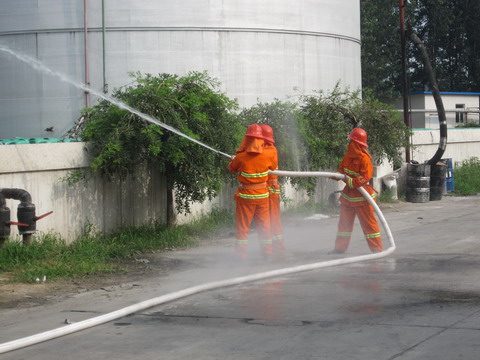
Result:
<point x="438" y="174"/>
<point x="418" y="183"/>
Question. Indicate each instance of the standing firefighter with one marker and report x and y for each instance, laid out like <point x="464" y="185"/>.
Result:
<point x="357" y="165"/>
<point x="252" y="165"/>
<point x="276" y="230"/>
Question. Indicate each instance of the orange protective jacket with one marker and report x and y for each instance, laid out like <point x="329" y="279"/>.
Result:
<point x="252" y="168"/>
<point x="272" y="181"/>
<point x="358" y="166"/>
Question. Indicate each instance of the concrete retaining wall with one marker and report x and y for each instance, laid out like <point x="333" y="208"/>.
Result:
<point x="41" y="168"/>
<point x="462" y="144"/>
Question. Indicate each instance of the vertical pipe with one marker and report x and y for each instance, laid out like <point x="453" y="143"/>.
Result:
<point x="85" y="36"/>
<point x="406" y="115"/>
<point x="105" y="85"/>
<point x="442" y="119"/>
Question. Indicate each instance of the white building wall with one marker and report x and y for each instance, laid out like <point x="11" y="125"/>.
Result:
<point x="428" y="119"/>
<point x="462" y="144"/>
<point x="418" y="119"/>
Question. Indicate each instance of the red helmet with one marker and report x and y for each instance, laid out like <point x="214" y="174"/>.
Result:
<point x="359" y="136"/>
<point x="267" y="133"/>
<point x="255" y="131"/>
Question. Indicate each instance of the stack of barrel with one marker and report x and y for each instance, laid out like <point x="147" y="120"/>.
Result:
<point x="425" y="182"/>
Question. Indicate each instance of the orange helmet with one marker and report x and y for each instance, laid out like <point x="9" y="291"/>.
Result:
<point x="359" y="136"/>
<point x="267" y="133"/>
<point x="255" y="131"/>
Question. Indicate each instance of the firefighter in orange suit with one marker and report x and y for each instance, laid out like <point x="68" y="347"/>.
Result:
<point x="357" y="165"/>
<point x="252" y="165"/>
<point x="278" y="241"/>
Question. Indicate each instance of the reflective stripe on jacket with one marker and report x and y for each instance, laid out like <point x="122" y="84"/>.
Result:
<point x="272" y="182"/>
<point x="252" y="168"/>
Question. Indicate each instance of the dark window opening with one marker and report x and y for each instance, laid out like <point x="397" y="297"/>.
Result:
<point x="459" y="116"/>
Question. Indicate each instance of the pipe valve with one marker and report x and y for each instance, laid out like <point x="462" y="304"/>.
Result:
<point x="25" y="214"/>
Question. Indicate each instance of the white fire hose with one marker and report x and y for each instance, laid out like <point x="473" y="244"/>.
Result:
<point x="98" y="320"/>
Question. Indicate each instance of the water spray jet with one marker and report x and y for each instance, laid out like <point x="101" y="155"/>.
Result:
<point x="37" y="65"/>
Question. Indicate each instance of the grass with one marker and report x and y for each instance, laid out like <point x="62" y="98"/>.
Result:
<point x="386" y="197"/>
<point x="91" y="254"/>
<point x="467" y="177"/>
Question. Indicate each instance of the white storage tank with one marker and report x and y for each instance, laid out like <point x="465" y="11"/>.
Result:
<point x="258" y="49"/>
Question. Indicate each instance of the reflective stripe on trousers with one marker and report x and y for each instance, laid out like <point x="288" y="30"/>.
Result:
<point x="276" y="225"/>
<point x="248" y="210"/>
<point x="368" y="222"/>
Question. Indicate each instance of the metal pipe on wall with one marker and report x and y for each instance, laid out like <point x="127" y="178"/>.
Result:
<point x="105" y="85"/>
<point x="85" y="42"/>
<point x="406" y="115"/>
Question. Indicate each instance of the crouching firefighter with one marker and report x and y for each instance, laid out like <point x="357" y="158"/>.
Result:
<point x="252" y="164"/>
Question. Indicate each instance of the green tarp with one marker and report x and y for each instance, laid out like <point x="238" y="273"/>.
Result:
<point x="20" y="140"/>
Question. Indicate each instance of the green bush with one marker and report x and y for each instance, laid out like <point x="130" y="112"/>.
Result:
<point x="92" y="254"/>
<point x="468" y="125"/>
<point x="467" y="177"/>
<point x="122" y="142"/>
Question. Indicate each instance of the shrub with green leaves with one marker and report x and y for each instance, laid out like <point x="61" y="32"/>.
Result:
<point x="467" y="177"/>
<point x="311" y="135"/>
<point x="327" y="119"/>
<point x="283" y="118"/>
<point x="468" y="125"/>
<point x="97" y="253"/>
<point x="193" y="104"/>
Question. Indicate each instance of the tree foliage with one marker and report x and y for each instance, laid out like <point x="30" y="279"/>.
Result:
<point x="381" y="67"/>
<point x="449" y="31"/>
<point x="193" y="104"/>
<point x="311" y="135"/>
<point x="283" y="118"/>
<point x="327" y="119"/>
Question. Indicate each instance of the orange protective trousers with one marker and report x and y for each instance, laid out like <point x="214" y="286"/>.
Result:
<point x="257" y="210"/>
<point x="367" y="222"/>
<point x="276" y="224"/>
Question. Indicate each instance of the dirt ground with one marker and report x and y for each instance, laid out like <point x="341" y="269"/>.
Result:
<point x="22" y="295"/>
<point x="143" y="266"/>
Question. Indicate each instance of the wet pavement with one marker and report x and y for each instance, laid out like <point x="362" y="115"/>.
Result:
<point x="421" y="302"/>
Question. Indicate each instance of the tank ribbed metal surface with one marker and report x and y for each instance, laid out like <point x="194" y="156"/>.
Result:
<point x="258" y="49"/>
